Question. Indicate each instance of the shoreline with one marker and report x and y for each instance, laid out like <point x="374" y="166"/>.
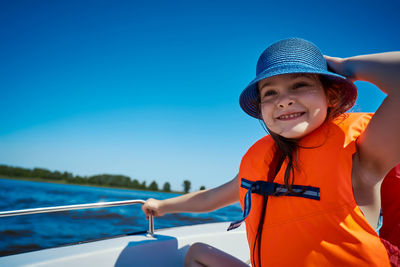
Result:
<point x="91" y="185"/>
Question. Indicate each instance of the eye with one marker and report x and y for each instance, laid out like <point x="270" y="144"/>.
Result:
<point x="268" y="94"/>
<point x="300" y="85"/>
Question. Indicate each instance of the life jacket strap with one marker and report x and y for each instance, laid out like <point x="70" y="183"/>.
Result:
<point x="271" y="189"/>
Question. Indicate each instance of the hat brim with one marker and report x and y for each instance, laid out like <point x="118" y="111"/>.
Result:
<point x="249" y="97"/>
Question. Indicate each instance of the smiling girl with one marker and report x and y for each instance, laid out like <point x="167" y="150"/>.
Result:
<point x="310" y="189"/>
<point x="293" y="105"/>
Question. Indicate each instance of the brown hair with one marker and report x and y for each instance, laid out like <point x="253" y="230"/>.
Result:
<point x="339" y="101"/>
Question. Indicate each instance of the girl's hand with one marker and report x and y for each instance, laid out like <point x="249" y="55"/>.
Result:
<point x="338" y="65"/>
<point x="153" y="207"/>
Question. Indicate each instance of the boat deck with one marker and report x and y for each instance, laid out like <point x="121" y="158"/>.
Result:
<point x="167" y="248"/>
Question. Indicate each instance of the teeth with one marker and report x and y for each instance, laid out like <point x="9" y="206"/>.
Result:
<point x="290" y="116"/>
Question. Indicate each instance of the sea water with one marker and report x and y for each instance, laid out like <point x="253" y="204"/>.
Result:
<point x="37" y="231"/>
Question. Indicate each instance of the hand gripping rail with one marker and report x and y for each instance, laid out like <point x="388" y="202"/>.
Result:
<point x="150" y="232"/>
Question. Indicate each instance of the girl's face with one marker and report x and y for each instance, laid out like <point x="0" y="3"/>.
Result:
<point x="293" y="105"/>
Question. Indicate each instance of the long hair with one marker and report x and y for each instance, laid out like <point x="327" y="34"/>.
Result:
<point x="287" y="148"/>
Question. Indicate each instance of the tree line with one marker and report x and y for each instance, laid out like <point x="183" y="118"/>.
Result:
<point x="100" y="179"/>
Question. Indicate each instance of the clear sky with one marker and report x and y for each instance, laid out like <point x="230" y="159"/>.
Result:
<point x="149" y="89"/>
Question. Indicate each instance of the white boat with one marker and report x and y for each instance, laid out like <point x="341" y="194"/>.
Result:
<point x="164" y="247"/>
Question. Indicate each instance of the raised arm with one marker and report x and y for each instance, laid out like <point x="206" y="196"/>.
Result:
<point x="379" y="145"/>
<point x="199" y="201"/>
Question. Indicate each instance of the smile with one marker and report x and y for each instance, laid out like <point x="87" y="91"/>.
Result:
<point x="291" y="116"/>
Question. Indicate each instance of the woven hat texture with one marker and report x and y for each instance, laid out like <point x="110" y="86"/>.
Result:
<point x="287" y="56"/>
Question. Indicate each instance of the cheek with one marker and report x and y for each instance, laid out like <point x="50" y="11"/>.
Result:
<point x="266" y="112"/>
<point x="318" y="99"/>
<point x="321" y="109"/>
<point x="268" y="120"/>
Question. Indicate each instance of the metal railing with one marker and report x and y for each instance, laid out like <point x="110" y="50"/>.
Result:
<point x="150" y="232"/>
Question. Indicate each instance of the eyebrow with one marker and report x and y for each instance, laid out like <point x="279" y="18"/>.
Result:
<point x="292" y="76"/>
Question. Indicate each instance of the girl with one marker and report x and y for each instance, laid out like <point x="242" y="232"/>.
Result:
<point x="310" y="189"/>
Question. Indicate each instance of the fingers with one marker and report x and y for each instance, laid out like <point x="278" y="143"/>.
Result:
<point x="333" y="59"/>
<point x="338" y="65"/>
<point x="334" y="63"/>
<point x="329" y="63"/>
<point x="151" y="207"/>
<point x="150" y="213"/>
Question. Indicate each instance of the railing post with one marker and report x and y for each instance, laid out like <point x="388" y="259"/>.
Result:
<point x="150" y="232"/>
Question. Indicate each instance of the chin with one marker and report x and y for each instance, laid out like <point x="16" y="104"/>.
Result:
<point x="294" y="135"/>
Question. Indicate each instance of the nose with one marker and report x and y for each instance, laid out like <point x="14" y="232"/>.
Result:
<point x="285" y="101"/>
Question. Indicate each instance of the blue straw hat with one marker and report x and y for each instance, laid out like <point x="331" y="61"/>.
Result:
<point x="292" y="55"/>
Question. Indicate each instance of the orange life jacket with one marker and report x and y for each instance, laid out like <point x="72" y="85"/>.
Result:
<point x="301" y="231"/>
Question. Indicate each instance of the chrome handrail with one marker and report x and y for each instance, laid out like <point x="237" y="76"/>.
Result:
<point x="150" y="232"/>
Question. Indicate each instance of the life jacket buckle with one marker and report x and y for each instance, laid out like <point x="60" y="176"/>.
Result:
<point x="263" y="188"/>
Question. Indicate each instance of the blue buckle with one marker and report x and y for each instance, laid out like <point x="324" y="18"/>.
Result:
<point x="263" y="188"/>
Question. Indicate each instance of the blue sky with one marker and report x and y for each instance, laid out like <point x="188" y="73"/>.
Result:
<point x="150" y="89"/>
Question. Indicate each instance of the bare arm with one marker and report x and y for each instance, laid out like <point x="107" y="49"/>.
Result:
<point x="199" y="201"/>
<point x="379" y="145"/>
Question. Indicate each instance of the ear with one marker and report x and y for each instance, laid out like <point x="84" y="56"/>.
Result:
<point x="332" y="98"/>
<point x="332" y="102"/>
